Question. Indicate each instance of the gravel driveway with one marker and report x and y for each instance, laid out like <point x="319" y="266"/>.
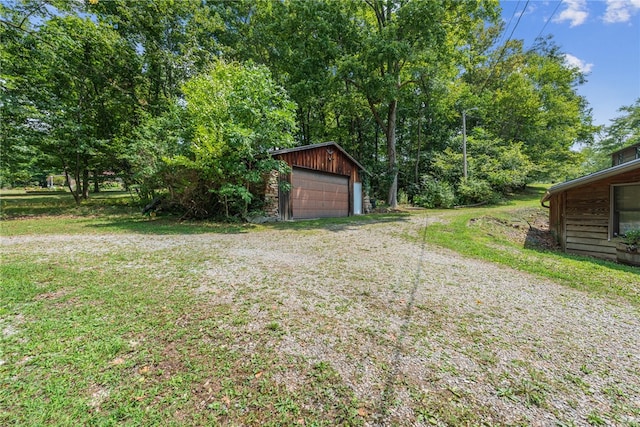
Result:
<point x="417" y="332"/>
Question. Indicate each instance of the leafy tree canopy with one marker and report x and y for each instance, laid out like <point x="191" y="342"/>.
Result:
<point x="237" y="115"/>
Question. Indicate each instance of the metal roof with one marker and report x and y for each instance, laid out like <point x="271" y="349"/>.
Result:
<point x="596" y="176"/>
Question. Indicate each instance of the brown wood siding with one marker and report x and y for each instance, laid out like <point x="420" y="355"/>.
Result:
<point x="556" y="216"/>
<point x="580" y="216"/>
<point x="626" y="155"/>
<point x="328" y="159"/>
<point x="325" y="159"/>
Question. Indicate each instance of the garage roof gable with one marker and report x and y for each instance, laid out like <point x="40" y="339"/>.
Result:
<point x="322" y="144"/>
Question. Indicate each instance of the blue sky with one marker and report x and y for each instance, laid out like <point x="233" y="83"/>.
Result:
<point x="601" y="37"/>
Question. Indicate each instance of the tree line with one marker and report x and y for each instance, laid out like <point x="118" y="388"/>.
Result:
<point x="188" y="97"/>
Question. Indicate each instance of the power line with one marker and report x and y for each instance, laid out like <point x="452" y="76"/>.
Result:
<point x="504" y="47"/>
<point x="510" y="19"/>
<point x="548" y="20"/>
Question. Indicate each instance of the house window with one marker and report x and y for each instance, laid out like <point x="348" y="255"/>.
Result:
<point x="637" y="152"/>
<point x="626" y="208"/>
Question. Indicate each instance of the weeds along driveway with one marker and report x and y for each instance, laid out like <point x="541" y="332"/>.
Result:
<point x="419" y="335"/>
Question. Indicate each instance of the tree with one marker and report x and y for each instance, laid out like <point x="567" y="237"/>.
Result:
<point x="173" y="40"/>
<point x="530" y="97"/>
<point x="91" y="86"/>
<point x="397" y="43"/>
<point x="498" y="165"/>
<point x="237" y="114"/>
<point x="67" y="96"/>
<point x="83" y="76"/>
<point x="623" y="131"/>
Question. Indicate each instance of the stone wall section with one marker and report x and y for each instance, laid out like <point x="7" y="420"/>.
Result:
<point x="271" y="200"/>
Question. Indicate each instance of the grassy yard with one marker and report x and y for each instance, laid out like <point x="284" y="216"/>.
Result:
<point x="508" y="235"/>
<point x="108" y="337"/>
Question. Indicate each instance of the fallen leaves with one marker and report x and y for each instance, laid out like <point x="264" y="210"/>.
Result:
<point x="117" y="361"/>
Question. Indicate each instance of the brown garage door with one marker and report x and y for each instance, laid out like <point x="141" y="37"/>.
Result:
<point x="319" y="195"/>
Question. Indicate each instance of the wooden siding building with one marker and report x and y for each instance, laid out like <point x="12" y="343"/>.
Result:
<point x="588" y="213"/>
<point x="325" y="181"/>
<point x="627" y="154"/>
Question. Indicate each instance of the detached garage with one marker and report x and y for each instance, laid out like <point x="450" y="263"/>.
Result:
<point x="324" y="183"/>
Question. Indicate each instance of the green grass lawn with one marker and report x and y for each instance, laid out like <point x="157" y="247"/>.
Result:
<point x="481" y="232"/>
<point x="84" y="343"/>
<point x="484" y="233"/>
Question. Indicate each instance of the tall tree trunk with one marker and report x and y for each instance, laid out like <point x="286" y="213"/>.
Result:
<point x="77" y="191"/>
<point x="96" y="182"/>
<point x="392" y="199"/>
<point x="68" y="179"/>
<point x="419" y="146"/>
<point x="85" y="183"/>
<point x="376" y="141"/>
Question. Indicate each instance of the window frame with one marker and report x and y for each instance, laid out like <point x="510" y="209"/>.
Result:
<point x="614" y="225"/>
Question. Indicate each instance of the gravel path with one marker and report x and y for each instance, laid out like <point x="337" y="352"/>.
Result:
<point x="418" y="333"/>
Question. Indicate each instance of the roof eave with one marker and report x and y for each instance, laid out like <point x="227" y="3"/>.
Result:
<point x="596" y="176"/>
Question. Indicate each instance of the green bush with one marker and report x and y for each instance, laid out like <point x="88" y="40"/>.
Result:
<point x="403" y="197"/>
<point x="435" y="194"/>
<point x="237" y="115"/>
<point x="111" y="185"/>
<point x="59" y="180"/>
<point x="632" y="237"/>
<point x="472" y="191"/>
<point x="498" y="167"/>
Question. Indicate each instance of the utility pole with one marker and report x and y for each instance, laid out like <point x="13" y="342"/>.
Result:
<point x="464" y="139"/>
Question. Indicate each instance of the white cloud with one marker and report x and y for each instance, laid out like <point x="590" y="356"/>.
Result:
<point x="575" y="62"/>
<point x="620" y="10"/>
<point x="576" y="13"/>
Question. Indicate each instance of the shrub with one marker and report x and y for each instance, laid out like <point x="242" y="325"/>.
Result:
<point x="435" y="194"/>
<point x="472" y="191"/>
<point x="111" y="185"/>
<point x="216" y="142"/>
<point x="632" y="237"/>
<point x="403" y="197"/>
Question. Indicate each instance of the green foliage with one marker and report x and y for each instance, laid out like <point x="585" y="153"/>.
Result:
<point x="66" y="96"/>
<point x="140" y="152"/>
<point x="623" y="131"/>
<point x="237" y="114"/>
<point x="393" y="52"/>
<point x="495" y="168"/>
<point x="87" y="87"/>
<point x="471" y="191"/>
<point x="435" y="194"/>
<point x="530" y="98"/>
<point x="632" y="237"/>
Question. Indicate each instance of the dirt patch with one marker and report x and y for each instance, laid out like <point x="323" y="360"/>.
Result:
<point x="528" y="228"/>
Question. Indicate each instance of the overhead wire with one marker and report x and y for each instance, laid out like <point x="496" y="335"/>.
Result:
<point x="548" y="20"/>
<point x="504" y="46"/>
<point x="509" y="23"/>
